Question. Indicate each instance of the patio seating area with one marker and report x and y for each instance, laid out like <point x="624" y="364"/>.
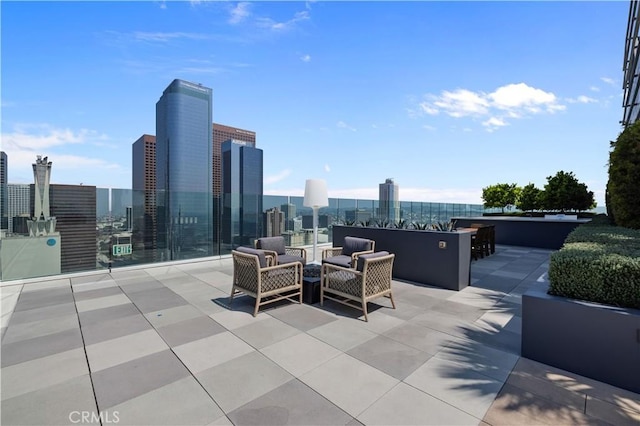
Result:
<point x="162" y="345"/>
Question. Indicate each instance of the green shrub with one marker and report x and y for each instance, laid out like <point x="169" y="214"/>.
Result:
<point x="598" y="263"/>
<point x="624" y="174"/>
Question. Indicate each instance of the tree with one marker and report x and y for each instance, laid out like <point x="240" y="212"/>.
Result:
<point x="530" y="198"/>
<point x="624" y="178"/>
<point x="502" y="195"/>
<point x="563" y="192"/>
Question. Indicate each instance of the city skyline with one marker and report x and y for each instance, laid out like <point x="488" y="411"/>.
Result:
<point x="446" y="97"/>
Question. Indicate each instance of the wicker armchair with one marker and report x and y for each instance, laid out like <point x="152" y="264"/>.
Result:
<point x="370" y="280"/>
<point x="347" y="255"/>
<point x="253" y="276"/>
<point x="283" y="254"/>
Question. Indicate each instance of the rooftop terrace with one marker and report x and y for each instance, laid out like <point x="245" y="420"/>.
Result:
<point x="160" y="345"/>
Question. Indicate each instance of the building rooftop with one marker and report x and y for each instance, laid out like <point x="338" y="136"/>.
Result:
<point x="160" y="345"/>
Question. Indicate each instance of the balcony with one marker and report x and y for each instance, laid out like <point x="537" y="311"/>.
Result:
<point x="158" y="344"/>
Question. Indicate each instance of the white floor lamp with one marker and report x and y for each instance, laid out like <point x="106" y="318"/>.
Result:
<point x="315" y="196"/>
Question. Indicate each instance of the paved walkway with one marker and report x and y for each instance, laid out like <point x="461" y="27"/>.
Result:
<point x="160" y="345"/>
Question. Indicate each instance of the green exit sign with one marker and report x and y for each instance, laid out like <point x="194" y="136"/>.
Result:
<point x="121" y="249"/>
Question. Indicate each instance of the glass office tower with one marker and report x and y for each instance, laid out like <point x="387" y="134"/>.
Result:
<point x="389" y="201"/>
<point x="184" y="171"/>
<point x="4" y="193"/>
<point x="241" y="194"/>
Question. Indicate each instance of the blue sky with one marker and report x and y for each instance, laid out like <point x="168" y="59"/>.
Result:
<point x="444" y="97"/>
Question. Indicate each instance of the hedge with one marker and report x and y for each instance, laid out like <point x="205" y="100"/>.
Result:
<point x="598" y="264"/>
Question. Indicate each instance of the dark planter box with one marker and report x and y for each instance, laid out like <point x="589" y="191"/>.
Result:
<point x="420" y="256"/>
<point x="593" y="340"/>
<point x="526" y="231"/>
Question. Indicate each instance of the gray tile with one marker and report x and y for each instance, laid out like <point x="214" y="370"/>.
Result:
<point x="43" y="313"/>
<point x="97" y="332"/>
<point x="30" y="330"/>
<point x="40" y="373"/>
<point x="189" y="330"/>
<point x="60" y="404"/>
<point x="102" y="302"/>
<point x="203" y="354"/>
<point x="182" y="402"/>
<point x="128" y="380"/>
<point x="611" y="413"/>
<point x="485" y="360"/>
<point x="422" y="338"/>
<point x="156" y="299"/>
<point x="459" y="310"/>
<point x="240" y="380"/>
<point x="456" y="385"/>
<point x="300" y="353"/>
<point x="139" y="284"/>
<point x="264" y="333"/>
<point x="293" y="403"/>
<point x="350" y="384"/>
<point x="405" y="405"/>
<point x="90" y="278"/>
<point x="389" y="356"/>
<point x="38" y="347"/>
<point x="43" y="299"/>
<point x="503" y="339"/>
<point x="116" y="351"/>
<point x="169" y="316"/>
<point x="99" y="292"/>
<point x="497" y="283"/>
<point x="343" y="334"/>
<point x="302" y="317"/>
<point x="105" y="314"/>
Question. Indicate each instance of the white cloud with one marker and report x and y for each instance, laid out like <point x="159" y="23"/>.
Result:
<point x="305" y="58"/>
<point x="517" y="96"/>
<point x="286" y="25"/>
<point x="426" y="126"/>
<point x="239" y="13"/>
<point x="327" y="168"/>
<point x="160" y="37"/>
<point x="510" y="101"/>
<point x="582" y="99"/>
<point x="459" y="103"/>
<point x="268" y="180"/>
<point x="608" y="80"/>
<point x="594" y="88"/>
<point x="342" y="125"/>
<point x="35" y="137"/>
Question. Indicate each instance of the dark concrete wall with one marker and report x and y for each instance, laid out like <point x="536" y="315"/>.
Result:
<point x="526" y="232"/>
<point x="593" y="340"/>
<point x="418" y="256"/>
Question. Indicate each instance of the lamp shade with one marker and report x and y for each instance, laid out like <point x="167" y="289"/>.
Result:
<point x="315" y="193"/>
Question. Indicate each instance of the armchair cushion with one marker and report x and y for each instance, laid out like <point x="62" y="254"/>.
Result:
<point x="272" y="243"/>
<point x="340" y="260"/>
<point x="355" y="244"/>
<point x="362" y="258"/>
<point x="289" y="258"/>
<point x="262" y="258"/>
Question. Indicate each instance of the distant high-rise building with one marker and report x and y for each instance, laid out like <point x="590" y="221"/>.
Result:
<point x="19" y="203"/>
<point x="43" y="222"/>
<point x="222" y="133"/>
<point x="631" y="68"/>
<point x="357" y="215"/>
<point x="4" y="193"/>
<point x="389" y="201"/>
<point x="120" y="200"/>
<point x="289" y="211"/>
<point x="74" y="207"/>
<point x="274" y="222"/>
<point x="102" y="202"/>
<point x="241" y="193"/>
<point x="144" y="191"/>
<point x="184" y="173"/>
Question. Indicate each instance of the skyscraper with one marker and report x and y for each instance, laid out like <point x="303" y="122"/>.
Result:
<point x="183" y="171"/>
<point x="102" y="202"/>
<point x="74" y="207"/>
<point x="144" y="191"/>
<point x="389" y="201"/>
<point x="222" y="133"/>
<point x="4" y="194"/>
<point x="274" y="222"/>
<point x="242" y="193"/>
<point x="19" y="202"/>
